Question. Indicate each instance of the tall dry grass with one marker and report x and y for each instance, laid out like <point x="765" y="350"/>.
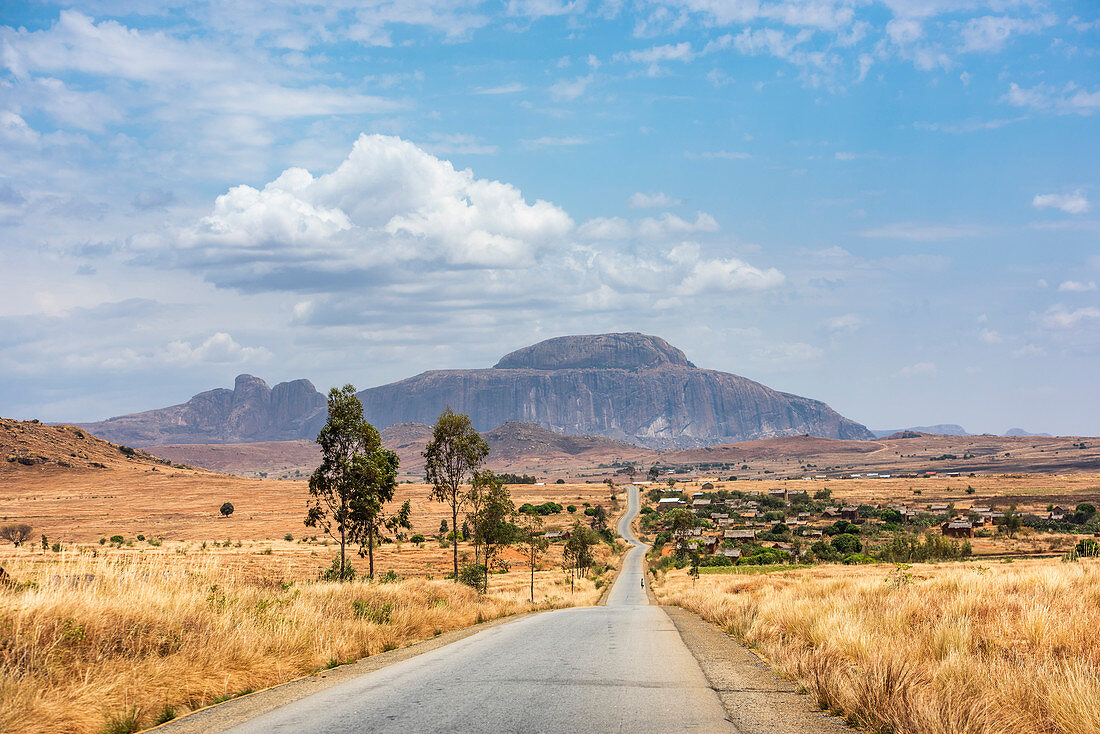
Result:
<point x="955" y="648"/>
<point x="154" y="635"/>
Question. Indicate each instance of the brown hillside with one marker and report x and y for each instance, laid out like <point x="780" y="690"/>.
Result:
<point x="33" y="446"/>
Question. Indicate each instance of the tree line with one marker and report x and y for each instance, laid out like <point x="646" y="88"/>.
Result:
<point x="357" y="477"/>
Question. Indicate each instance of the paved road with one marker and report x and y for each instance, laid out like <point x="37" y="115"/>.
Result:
<point x="617" y="668"/>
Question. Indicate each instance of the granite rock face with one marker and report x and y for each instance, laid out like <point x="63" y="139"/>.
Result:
<point x="250" y="412"/>
<point x="630" y="387"/>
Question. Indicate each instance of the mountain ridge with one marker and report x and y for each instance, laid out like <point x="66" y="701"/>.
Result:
<point x="629" y="387"/>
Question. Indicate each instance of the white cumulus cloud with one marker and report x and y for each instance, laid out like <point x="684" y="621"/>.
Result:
<point x="389" y="201"/>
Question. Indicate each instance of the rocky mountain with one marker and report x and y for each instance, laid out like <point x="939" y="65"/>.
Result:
<point x="250" y="412"/>
<point x="629" y="387"/>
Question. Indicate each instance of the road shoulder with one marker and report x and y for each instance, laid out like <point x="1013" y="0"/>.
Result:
<point x="756" y="699"/>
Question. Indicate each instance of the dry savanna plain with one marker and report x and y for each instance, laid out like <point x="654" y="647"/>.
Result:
<point x="146" y="603"/>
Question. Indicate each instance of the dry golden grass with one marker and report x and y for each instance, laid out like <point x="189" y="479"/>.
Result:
<point x="156" y="633"/>
<point x="1009" y="648"/>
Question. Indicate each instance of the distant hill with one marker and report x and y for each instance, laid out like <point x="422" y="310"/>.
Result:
<point x="32" y="446"/>
<point x="1022" y="432"/>
<point x="940" y="429"/>
<point x="627" y="387"/>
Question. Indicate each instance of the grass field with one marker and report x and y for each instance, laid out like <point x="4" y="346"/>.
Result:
<point x="936" y="649"/>
<point x="120" y="641"/>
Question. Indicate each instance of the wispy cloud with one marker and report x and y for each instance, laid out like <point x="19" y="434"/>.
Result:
<point x="512" y="88"/>
<point x="1069" y="99"/>
<point x="656" y="200"/>
<point x="1072" y="203"/>
<point x="721" y="155"/>
<point x="920" y="232"/>
<point x="550" y="141"/>
<point x="1076" y="286"/>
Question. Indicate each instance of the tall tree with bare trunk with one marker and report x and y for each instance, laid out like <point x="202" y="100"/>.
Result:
<point x="355" y="479"/>
<point x="454" y="451"/>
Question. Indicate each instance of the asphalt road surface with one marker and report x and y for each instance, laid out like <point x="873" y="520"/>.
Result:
<point x="616" y="668"/>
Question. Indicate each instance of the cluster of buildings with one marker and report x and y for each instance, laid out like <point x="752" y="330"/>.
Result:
<point x="740" y="519"/>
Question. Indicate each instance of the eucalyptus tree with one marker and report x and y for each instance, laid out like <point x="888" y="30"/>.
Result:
<point x="454" y="451"/>
<point x="491" y="527"/>
<point x="357" y="476"/>
<point x="534" y="543"/>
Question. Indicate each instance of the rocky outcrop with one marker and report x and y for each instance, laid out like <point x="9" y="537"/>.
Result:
<point x="250" y="412"/>
<point x="630" y="387"/>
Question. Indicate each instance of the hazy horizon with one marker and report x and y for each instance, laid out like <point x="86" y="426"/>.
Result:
<point x="887" y="206"/>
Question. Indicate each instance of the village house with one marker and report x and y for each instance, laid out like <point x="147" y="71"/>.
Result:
<point x="739" y="535"/>
<point x="730" y="552"/>
<point x="1059" y="513"/>
<point x="708" y="486"/>
<point x="553" y="535"/>
<point x="831" y="513"/>
<point x="811" y="533"/>
<point x="719" y="515"/>
<point x="958" y="528"/>
<point x="849" y="513"/>
<point x="700" y="503"/>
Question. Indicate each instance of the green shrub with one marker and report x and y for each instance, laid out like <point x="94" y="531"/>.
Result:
<point x="332" y="573"/>
<point x="118" y="539"/>
<point x="857" y="558"/>
<point x="472" y="574"/>
<point x="379" y="614"/>
<point x="847" y="543"/>
<point x="389" y="577"/>
<point x="288" y="537"/>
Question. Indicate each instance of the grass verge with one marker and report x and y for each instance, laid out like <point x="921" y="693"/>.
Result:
<point x="936" y="649"/>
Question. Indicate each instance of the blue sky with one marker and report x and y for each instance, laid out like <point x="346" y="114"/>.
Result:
<point x="890" y="206"/>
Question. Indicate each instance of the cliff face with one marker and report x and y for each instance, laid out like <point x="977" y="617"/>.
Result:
<point x="251" y="411"/>
<point x="630" y="387"/>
